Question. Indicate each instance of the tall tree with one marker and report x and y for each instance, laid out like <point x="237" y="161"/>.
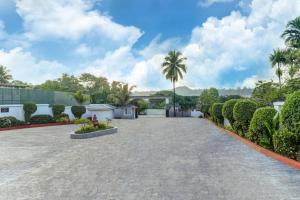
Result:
<point x="173" y="69"/>
<point x="277" y="59"/>
<point x="5" y="76"/>
<point x="120" y="93"/>
<point x="292" y="33"/>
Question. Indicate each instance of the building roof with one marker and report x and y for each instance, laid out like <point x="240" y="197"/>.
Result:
<point x="99" y="107"/>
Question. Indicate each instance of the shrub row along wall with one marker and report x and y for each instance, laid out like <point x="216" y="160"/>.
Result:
<point x="21" y="96"/>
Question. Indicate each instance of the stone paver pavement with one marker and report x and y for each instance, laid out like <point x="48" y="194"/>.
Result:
<point x="148" y="159"/>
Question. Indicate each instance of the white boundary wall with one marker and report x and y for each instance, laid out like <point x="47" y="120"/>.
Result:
<point x="155" y="112"/>
<point x="44" y="109"/>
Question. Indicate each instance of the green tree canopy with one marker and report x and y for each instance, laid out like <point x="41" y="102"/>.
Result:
<point x="5" y="76"/>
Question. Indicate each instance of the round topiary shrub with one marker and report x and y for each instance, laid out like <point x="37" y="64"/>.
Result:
<point x="290" y="113"/>
<point x="5" y="123"/>
<point x="78" y="111"/>
<point x="227" y="110"/>
<point x="260" y="125"/>
<point x="243" y="112"/>
<point x="216" y="112"/>
<point x="14" y="121"/>
<point x="29" y="109"/>
<point x="285" y="143"/>
<point x="57" y="110"/>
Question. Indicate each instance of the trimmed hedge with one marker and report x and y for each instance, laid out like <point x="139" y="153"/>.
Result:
<point x="227" y="110"/>
<point x="260" y="124"/>
<point x="290" y="113"/>
<point x="41" y="119"/>
<point x="285" y="143"/>
<point x="78" y="111"/>
<point x="243" y="112"/>
<point x="57" y="110"/>
<point x="29" y="109"/>
<point x="216" y="112"/>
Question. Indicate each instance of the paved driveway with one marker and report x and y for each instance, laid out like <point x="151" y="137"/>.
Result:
<point x="149" y="159"/>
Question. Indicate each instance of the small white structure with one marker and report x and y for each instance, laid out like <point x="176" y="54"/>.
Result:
<point x="278" y="105"/>
<point x="102" y="111"/>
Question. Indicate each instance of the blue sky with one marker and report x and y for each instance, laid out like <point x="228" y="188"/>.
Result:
<point x="227" y="42"/>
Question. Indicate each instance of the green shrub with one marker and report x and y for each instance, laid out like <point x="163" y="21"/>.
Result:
<point x="260" y="127"/>
<point x="285" y="143"/>
<point x="86" y="129"/>
<point x="205" y="110"/>
<point x="227" y="110"/>
<point x="41" y="119"/>
<point x="81" y="121"/>
<point x="78" y="111"/>
<point x="290" y="113"/>
<point x="57" y="110"/>
<point x="29" y="109"/>
<point x="5" y="123"/>
<point x="243" y="112"/>
<point x="216" y="112"/>
<point x="14" y="121"/>
<point x="64" y="115"/>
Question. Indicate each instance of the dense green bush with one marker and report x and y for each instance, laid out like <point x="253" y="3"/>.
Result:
<point x="285" y="143"/>
<point x="217" y="113"/>
<point x="57" y="110"/>
<point x="5" y="123"/>
<point x="41" y="119"/>
<point x="261" y="125"/>
<point x="64" y="115"/>
<point x="78" y="111"/>
<point x="290" y="113"/>
<point x="227" y="110"/>
<point x="14" y="121"/>
<point x="242" y="113"/>
<point x="29" y="109"/>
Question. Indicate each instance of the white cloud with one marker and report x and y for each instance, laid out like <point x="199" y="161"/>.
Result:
<point x="27" y="68"/>
<point x="72" y="19"/>
<point x="207" y="3"/>
<point x="83" y="50"/>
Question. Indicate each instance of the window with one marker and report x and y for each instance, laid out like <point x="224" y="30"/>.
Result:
<point x="127" y="111"/>
<point x="5" y="109"/>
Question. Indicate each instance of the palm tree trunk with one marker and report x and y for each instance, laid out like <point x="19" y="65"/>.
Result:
<point x="174" y="98"/>
<point x="279" y="76"/>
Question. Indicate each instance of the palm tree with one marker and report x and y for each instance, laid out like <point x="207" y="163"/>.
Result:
<point x="5" y="77"/>
<point x="173" y="69"/>
<point x="121" y="93"/>
<point x="278" y="58"/>
<point x="292" y="33"/>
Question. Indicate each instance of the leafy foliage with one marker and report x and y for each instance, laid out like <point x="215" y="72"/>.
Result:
<point x="285" y="143"/>
<point x="242" y="113"/>
<point x="217" y="113"/>
<point x="227" y="110"/>
<point x="57" y="110"/>
<point x="120" y="95"/>
<point x="266" y="91"/>
<point x="290" y="113"/>
<point x="261" y="126"/>
<point x="207" y="98"/>
<point x="78" y="111"/>
<point x="5" y="76"/>
<point x="292" y="33"/>
<point x="5" y="123"/>
<point x="29" y="109"/>
<point x="80" y="98"/>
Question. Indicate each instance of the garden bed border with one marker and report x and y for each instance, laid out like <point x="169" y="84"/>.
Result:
<point x="98" y="133"/>
<point x="290" y="162"/>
